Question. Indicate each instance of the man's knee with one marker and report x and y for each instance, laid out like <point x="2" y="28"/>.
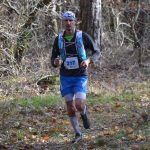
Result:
<point x="79" y="104"/>
<point x="71" y="108"/>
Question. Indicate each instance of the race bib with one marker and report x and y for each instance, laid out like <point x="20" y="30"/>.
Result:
<point x="71" y="63"/>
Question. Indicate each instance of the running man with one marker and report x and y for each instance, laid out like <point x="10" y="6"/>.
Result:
<point x="70" y="54"/>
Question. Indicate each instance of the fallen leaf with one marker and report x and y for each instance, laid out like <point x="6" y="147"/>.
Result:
<point x="53" y="119"/>
<point x="129" y="130"/>
<point x="140" y="137"/>
<point x="117" y="129"/>
<point x="33" y="136"/>
<point x="45" y="138"/>
<point x="65" y="122"/>
<point x="56" y="130"/>
<point x="117" y="104"/>
<point x="108" y="132"/>
<point x="61" y="135"/>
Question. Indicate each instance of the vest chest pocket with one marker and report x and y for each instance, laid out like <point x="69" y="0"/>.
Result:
<point x="71" y="63"/>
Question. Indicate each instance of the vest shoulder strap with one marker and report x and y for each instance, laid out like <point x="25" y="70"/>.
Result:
<point x="80" y="46"/>
<point x="78" y="43"/>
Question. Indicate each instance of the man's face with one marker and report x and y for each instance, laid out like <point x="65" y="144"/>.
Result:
<point x="69" y="24"/>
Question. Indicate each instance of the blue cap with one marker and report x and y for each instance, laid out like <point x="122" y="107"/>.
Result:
<point x="69" y="15"/>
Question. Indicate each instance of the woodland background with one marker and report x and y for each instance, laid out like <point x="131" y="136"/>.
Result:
<point x="119" y="83"/>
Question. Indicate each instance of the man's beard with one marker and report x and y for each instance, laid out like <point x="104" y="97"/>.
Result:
<point x="70" y="29"/>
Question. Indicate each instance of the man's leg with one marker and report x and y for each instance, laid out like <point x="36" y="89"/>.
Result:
<point x="73" y="118"/>
<point x="81" y="107"/>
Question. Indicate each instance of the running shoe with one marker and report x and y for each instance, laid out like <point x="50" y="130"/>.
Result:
<point x="85" y="119"/>
<point x="78" y="137"/>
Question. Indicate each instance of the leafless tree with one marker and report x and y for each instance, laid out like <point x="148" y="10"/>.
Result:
<point x="90" y="16"/>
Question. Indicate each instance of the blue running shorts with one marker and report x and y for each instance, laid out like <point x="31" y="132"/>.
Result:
<point x="73" y="84"/>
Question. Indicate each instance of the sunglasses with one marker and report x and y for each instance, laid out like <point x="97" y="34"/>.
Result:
<point x="68" y="20"/>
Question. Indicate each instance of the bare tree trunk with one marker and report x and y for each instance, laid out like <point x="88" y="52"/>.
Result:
<point x="51" y="24"/>
<point x="90" y="15"/>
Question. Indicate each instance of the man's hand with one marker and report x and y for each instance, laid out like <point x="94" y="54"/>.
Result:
<point x="58" y="61"/>
<point x="85" y="63"/>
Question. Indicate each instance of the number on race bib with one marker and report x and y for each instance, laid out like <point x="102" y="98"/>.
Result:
<point x="71" y="63"/>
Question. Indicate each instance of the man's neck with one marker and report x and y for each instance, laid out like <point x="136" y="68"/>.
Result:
<point x="69" y="32"/>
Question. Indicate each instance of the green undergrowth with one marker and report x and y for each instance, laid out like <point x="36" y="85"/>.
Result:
<point x="134" y="92"/>
<point x="111" y="98"/>
<point x="41" y="101"/>
<point x="48" y="100"/>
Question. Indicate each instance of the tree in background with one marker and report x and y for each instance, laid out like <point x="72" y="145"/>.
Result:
<point x="126" y="31"/>
<point x="90" y="17"/>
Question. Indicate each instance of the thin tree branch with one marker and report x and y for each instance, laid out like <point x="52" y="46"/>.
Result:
<point x="12" y="7"/>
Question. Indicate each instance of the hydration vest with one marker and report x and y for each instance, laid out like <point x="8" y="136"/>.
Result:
<point x="78" y="43"/>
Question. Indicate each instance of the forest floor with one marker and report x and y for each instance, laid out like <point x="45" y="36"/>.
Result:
<point x="119" y="113"/>
<point x="113" y="126"/>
